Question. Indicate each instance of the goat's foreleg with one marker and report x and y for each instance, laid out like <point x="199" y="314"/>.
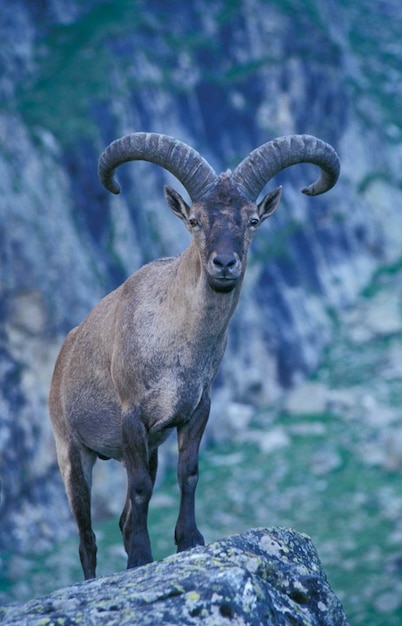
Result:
<point x="189" y="437"/>
<point x="133" y="521"/>
<point x="126" y="518"/>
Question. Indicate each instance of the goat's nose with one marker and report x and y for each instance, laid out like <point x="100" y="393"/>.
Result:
<point x="225" y="263"/>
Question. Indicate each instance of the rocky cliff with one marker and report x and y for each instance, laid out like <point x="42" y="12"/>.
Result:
<point x="270" y="576"/>
<point x="224" y="77"/>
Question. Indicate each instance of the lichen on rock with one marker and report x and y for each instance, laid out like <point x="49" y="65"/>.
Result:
<point x="270" y="576"/>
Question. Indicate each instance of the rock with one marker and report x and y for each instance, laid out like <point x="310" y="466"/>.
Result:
<point x="383" y="317"/>
<point x="228" y="420"/>
<point x="274" y="439"/>
<point x="264" y="576"/>
<point x="379" y="316"/>
<point x="308" y="398"/>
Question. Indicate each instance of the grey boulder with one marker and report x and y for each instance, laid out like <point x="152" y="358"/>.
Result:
<point x="270" y="576"/>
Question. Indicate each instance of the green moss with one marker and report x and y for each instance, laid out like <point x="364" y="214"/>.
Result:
<point x="370" y="178"/>
<point x="381" y="275"/>
<point x="74" y="62"/>
<point x="193" y="596"/>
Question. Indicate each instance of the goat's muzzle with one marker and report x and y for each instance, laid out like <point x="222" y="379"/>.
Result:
<point x="224" y="271"/>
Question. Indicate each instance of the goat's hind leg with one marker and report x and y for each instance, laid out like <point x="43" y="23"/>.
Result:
<point x="76" y="469"/>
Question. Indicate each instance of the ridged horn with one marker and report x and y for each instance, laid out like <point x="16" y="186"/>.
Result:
<point x="189" y="167"/>
<point x="265" y="162"/>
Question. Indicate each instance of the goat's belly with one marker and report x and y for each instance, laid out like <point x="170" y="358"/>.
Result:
<point x="106" y="444"/>
<point x="98" y="426"/>
<point x="164" y="406"/>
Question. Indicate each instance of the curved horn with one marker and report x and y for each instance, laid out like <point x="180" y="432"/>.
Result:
<point x="266" y="161"/>
<point x="189" y="167"/>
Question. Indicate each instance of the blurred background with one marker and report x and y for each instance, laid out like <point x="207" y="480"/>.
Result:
<point x="306" y="427"/>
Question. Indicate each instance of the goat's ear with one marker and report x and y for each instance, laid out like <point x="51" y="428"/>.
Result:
<point x="176" y="203"/>
<point x="268" y="204"/>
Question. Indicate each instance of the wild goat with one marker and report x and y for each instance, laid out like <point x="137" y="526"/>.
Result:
<point x="143" y="361"/>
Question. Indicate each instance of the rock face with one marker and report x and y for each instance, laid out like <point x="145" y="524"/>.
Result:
<point x="224" y="77"/>
<point x="267" y="576"/>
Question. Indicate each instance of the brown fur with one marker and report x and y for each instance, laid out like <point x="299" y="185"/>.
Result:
<point x="142" y="363"/>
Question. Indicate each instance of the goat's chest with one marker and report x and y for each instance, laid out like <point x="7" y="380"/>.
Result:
<point x="167" y="384"/>
<point x="168" y="358"/>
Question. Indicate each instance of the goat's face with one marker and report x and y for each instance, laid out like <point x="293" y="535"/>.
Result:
<point x="222" y="226"/>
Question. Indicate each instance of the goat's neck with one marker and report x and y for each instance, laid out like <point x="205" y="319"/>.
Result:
<point x="206" y="306"/>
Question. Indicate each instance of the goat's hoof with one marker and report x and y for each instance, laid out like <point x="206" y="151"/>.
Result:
<point x="139" y="559"/>
<point x="190" y="541"/>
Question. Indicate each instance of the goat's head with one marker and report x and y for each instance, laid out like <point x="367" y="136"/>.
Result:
<point x="222" y="224"/>
<point x="224" y="213"/>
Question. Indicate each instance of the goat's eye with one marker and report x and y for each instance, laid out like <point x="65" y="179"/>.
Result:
<point x="193" y="222"/>
<point x="254" y="221"/>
